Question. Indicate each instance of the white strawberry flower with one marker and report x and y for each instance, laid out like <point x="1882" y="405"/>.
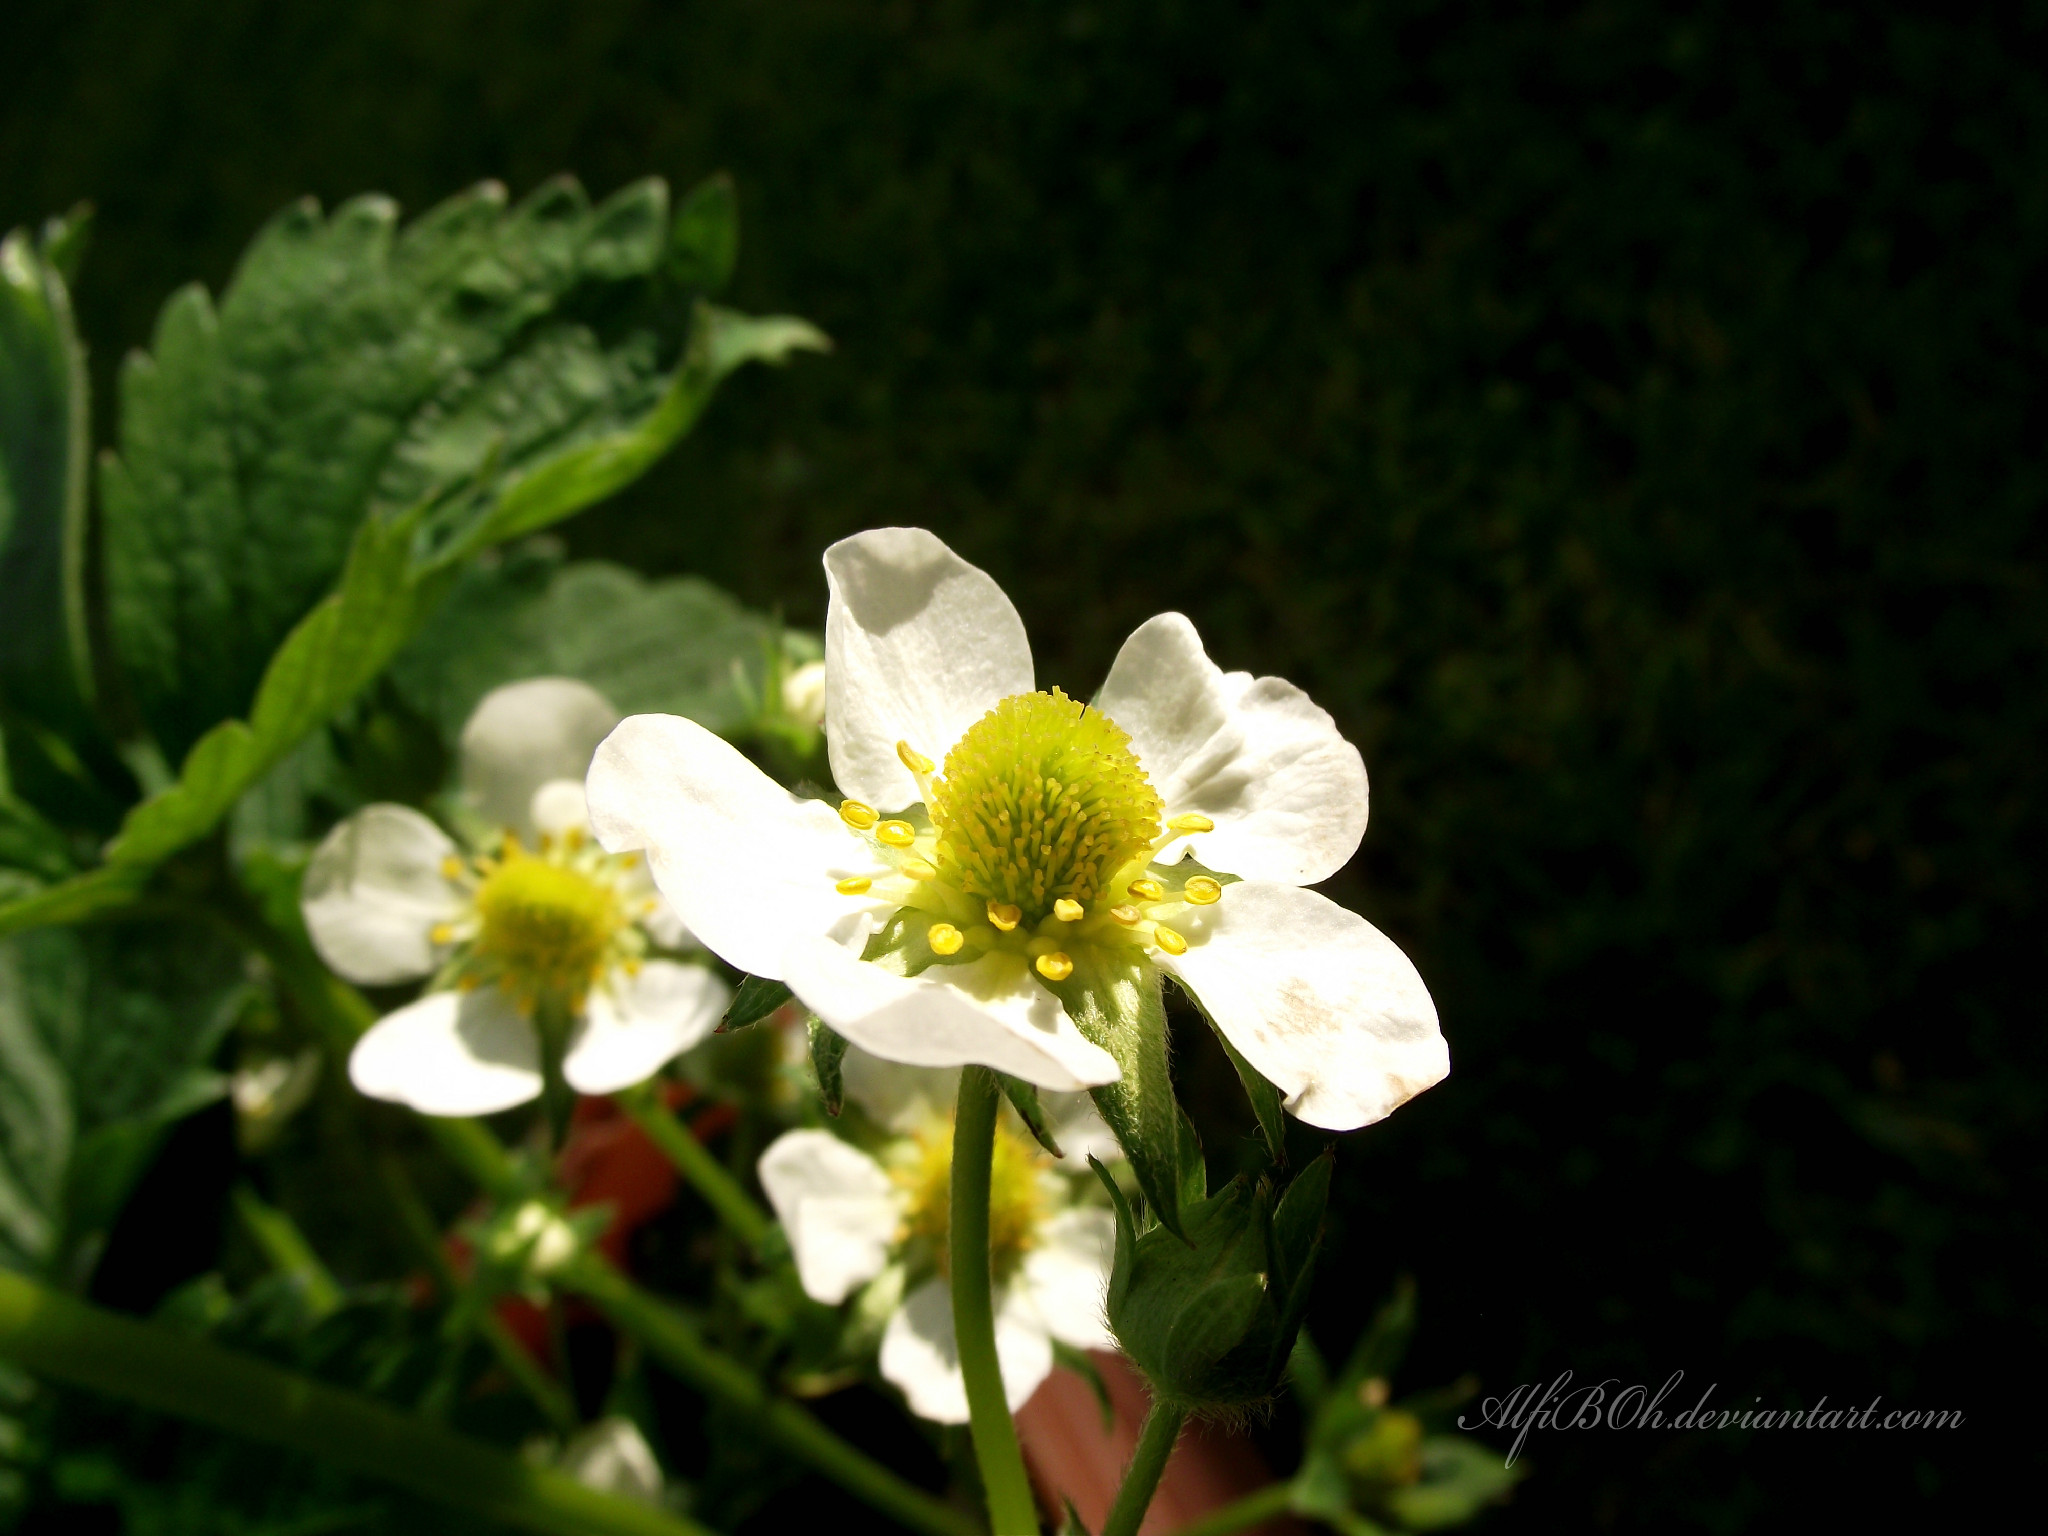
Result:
<point x="537" y="928"/>
<point x="999" y="867"/>
<point x="876" y="1221"/>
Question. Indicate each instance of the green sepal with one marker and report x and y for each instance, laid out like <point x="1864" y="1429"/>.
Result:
<point x="828" y="1051"/>
<point x="755" y="1000"/>
<point x="704" y="242"/>
<point x="1079" y="1362"/>
<point x="1071" y="1523"/>
<point x="1023" y="1098"/>
<point x="1266" y="1102"/>
<point x="1298" y="1220"/>
<point x="1175" y="876"/>
<point x="1213" y="1321"/>
<point x="1126" y="1236"/>
<point x="1113" y="997"/>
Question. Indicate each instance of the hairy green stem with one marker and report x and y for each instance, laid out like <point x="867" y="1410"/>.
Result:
<point x="86" y="1346"/>
<point x="672" y="1338"/>
<point x="1268" y="1502"/>
<point x="1141" y="1478"/>
<point x="1010" y="1507"/>
<point x="693" y="1160"/>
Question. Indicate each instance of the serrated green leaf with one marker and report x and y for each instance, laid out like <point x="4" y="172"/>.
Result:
<point x="104" y="1038"/>
<point x="755" y="1000"/>
<point x="1113" y="997"/>
<point x="705" y="243"/>
<point x="1023" y="1098"/>
<point x="828" y="1051"/>
<point x="45" y="413"/>
<point x="676" y="646"/>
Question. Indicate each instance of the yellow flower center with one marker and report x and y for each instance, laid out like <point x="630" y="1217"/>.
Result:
<point x="548" y="928"/>
<point x="1015" y="1202"/>
<point x="1042" y="801"/>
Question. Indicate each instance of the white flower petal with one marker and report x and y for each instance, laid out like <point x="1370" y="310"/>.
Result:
<point x="1066" y="1276"/>
<point x="921" y="1355"/>
<point x="1316" y="998"/>
<point x="905" y="1099"/>
<point x="613" y="1457"/>
<point x="373" y="893"/>
<point x="992" y="1011"/>
<point x="633" y="1024"/>
<point x="1080" y="1130"/>
<point x="918" y="646"/>
<point x="450" y="1053"/>
<point x="524" y="734"/>
<point x="838" y="1207"/>
<point x="558" y="806"/>
<point x="1287" y="792"/>
<point x="748" y="867"/>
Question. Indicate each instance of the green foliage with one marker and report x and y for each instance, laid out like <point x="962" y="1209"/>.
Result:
<point x="754" y="1000"/>
<point x="45" y="669"/>
<point x="105" y="1039"/>
<point x="679" y="646"/>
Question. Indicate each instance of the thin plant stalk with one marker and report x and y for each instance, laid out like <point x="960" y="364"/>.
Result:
<point x="1273" y="1500"/>
<point x="1141" y="1478"/>
<point x="1010" y="1507"/>
<point x="86" y="1346"/>
<point x="693" y="1160"/>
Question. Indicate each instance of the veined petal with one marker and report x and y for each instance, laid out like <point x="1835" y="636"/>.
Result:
<point x="992" y="1011"/>
<point x="748" y="867"/>
<point x="1287" y="792"/>
<point x="918" y="646"/>
<point x="1066" y="1276"/>
<point x="921" y="1355"/>
<point x="525" y="734"/>
<point x="838" y="1207"/>
<point x="450" y="1053"/>
<point x="635" y="1023"/>
<point x="905" y="1099"/>
<point x="1316" y="998"/>
<point x="373" y="893"/>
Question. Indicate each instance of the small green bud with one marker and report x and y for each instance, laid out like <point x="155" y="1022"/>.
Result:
<point x="1210" y="1320"/>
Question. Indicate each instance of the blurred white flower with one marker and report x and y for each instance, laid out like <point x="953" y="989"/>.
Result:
<point x="613" y="1457"/>
<point x="854" y="1219"/>
<point x="803" y="694"/>
<point x="1021" y="877"/>
<point x="541" y="925"/>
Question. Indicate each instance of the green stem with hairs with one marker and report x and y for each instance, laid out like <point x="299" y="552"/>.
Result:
<point x="693" y="1160"/>
<point x="142" y="1363"/>
<point x="1141" y="1478"/>
<point x="1273" y="1500"/>
<point x="1010" y="1507"/>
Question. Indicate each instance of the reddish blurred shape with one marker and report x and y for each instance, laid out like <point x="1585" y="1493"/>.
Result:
<point x="1072" y="1457"/>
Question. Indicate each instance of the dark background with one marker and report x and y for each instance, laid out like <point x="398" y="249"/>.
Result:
<point x="1617" y="414"/>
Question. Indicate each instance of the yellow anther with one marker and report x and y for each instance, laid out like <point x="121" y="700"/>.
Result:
<point x="1068" y="911"/>
<point x="1128" y="916"/>
<point x="857" y="816"/>
<point x="913" y="759"/>
<point x="452" y="868"/>
<point x="853" y="885"/>
<point x="897" y="834"/>
<point x="1170" y="941"/>
<point x="919" y="869"/>
<point x="440" y="933"/>
<point x="1005" y="916"/>
<point x="1191" y="821"/>
<point x="1203" y="891"/>
<point x="1147" y="889"/>
<point x="1055" y="966"/>
<point x="944" y="938"/>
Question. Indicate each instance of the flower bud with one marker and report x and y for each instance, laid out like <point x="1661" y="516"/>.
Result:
<point x="1210" y="1320"/>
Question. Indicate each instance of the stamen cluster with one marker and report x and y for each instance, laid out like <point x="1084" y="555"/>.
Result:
<point x="546" y="923"/>
<point x="1016" y="1203"/>
<point x="1042" y="801"/>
